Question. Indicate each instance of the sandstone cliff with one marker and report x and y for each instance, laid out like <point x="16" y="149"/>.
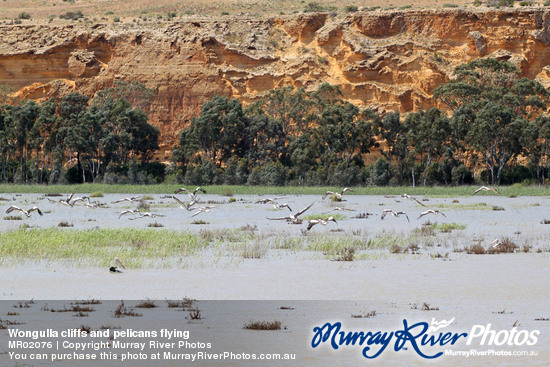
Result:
<point x="383" y="60"/>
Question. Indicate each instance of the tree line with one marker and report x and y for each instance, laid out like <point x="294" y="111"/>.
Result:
<point x="497" y="127"/>
<point x="494" y="128"/>
<point x="77" y="139"/>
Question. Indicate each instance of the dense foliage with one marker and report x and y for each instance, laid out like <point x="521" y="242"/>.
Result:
<point x="76" y="140"/>
<point x="495" y="129"/>
<point x="496" y="123"/>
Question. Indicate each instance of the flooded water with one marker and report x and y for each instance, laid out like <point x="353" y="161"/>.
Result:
<point x="484" y="217"/>
<point x="504" y="290"/>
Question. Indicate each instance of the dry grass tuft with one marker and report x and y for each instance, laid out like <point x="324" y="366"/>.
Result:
<point x="263" y="325"/>
<point x="122" y="311"/>
<point x="146" y="304"/>
<point x="345" y="254"/>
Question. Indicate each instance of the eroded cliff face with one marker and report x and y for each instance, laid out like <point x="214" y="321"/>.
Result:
<point x="382" y="60"/>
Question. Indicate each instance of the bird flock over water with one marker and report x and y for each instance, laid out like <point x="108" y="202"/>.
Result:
<point x="195" y="208"/>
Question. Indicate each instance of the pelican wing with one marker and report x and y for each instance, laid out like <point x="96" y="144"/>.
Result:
<point x="312" y="223"/>
<point x="424" y="213"/>
<point x="328" y="193"/>
<point x="125" y="212"/>
<point x="199" y="189"/>
<point x="303" y="210"/>
<point x="70" y="197"/>
<point x="12" y="208"/>
<point x="183" y="189"/>
<point x="418" y="201"/>
<point x="181" y="203"/>
<point x="279" y="218"/>
<point x="119" y="263"/>
<point x="35" y="209"/>
<point x="405" y="214"/>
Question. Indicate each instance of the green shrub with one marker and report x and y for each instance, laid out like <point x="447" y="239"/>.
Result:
<point x="72" y="15"/>
<point x="351" y="8"/>
<point x="24" y="15"/>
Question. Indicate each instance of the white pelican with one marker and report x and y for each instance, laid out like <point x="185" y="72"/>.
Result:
<point x="485" y="188"/>
<point x="339" y="196"/>
<point x="135" y="212"/>
<point x="495" y="243"/>
<point x="26" y="212"/>
<point x="268" y="200"/>
<point x="408" y="197"/>
<point x="147" y="214"/>
<point x="193" y="194"/>
<point x="293" y="218"/>
<point x="133" y="198"/>
<point x="67" y="201"/>
<point x="339" y="209"/>
<point x="431" y="211"/>
<point x="395" y="214"/>
<point x="184" y="205"/>
<point x="202" y="209"/>
<point x="83" y="199"/>
<point x="281" y="206"/>
<point x="324" y="222"/>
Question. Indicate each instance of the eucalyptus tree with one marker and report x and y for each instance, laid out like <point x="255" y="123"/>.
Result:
<point x="492" y="105"/>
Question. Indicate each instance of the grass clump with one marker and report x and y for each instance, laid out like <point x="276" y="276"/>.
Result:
<point x="254" y="250"/>
<point x="13" y="217"/>
<point x="122" y="311"/>
<point x="195" y="314"/>
<point x="263" y="325"/>
<point x="345" y="254"/>
<point x="146" y="304"/>
<point x="155" y="225"/>
<point x="365" y="315"/>
<point x="99" y="246"/>
<point x="97" y="194"/>
<point x="65" y="224"/>
<point x="447" y="227"/>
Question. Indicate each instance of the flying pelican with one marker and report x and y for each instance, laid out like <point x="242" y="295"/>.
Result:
<point x="293" y="218"/>
<point x="67" y="201"/>
<point x="485" y="188"/>
<point x="133" y="198"/>
<point x="26" y="212"/>
<point x="395" y="214"/>
<point x="83" y="199"/>
<point x="281" y="206"/>
<point x="268" y="200"/>
<point x="324" y="222"/>
<point x="340" y="209"/>
<point x="184" y="205"/>
<point x="203" y="209"/>
<point x="135" y="212"/>
<point x="147" y="214"/>
<point x="193" y="194"/>
<point x="339" y="196"/>
<point x="431" y="211"/>
<point x="408" y="197"/>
